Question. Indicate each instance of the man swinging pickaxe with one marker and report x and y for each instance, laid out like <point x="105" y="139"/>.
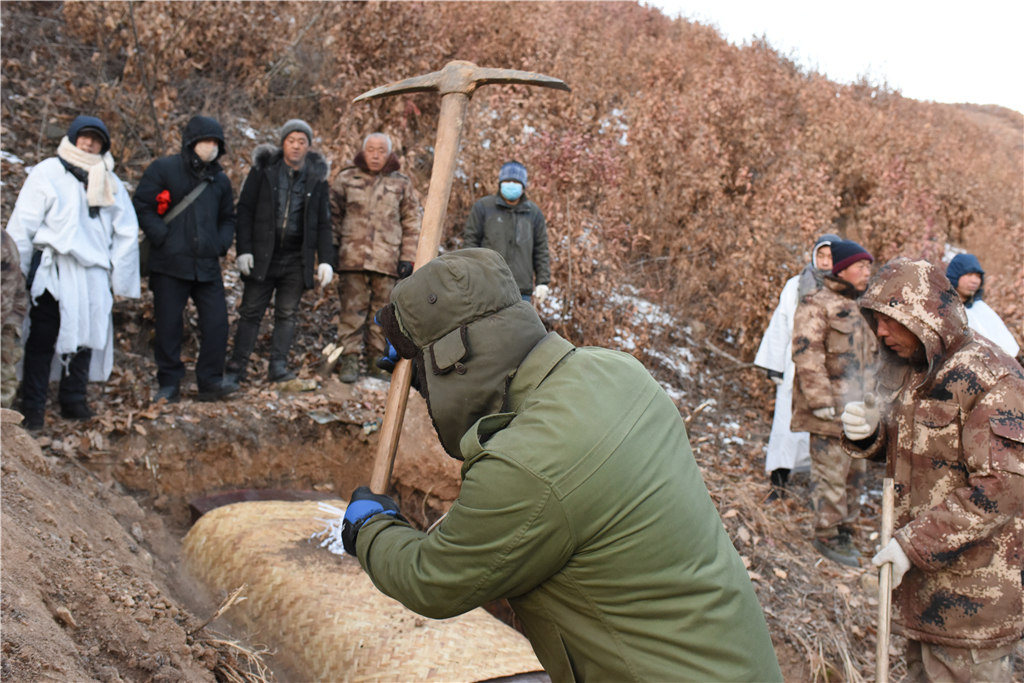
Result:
<point x="456" y="82"/>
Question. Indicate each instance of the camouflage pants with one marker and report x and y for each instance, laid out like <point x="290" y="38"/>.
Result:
<point x="362" y="293"/>
<point x="10" y="354"/>
<point x="928" y="663"/>
<point x="837" y="481"/>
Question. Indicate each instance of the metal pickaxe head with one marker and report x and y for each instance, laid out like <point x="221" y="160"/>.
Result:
<point x="462" y="77"/>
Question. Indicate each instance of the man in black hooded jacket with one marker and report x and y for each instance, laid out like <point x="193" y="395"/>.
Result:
<point x="184" y="260"/>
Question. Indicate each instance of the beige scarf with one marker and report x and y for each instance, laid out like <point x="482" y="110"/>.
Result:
<point x="102" y="181"/>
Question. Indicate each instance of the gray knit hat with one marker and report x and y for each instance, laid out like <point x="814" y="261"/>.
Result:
<point x="296" y="125"/>
<point x="513" y="170"/>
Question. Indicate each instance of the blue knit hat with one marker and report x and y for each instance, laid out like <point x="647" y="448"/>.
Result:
<point x="89" y="124"/>
<point x="513" y="170"/>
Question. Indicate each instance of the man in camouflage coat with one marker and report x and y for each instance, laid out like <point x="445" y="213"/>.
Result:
<point x="13" y="308"/>
<point x="952" y="430"/>
<point x="834" y="353"/>
<point x="376" y="217"/>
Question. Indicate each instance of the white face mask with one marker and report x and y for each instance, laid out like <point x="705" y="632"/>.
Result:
<point x="207" y="150"/>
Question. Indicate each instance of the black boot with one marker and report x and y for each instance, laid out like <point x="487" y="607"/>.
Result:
<point x="779" y="478"/>
<point x="245" y="342"/>
<point x="34" y="418"/>
<point x="280" y="344"/>
<point x="79" y="410"/>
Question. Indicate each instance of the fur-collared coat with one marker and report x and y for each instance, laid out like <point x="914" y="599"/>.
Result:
<point x="952" y="430"/>
<point x="377" y="217"/>
<point x="257" y="213"/>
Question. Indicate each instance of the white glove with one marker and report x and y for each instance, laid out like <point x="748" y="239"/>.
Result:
<point x="540" y="293"/>
<point x="827" y="413"/>
<point x="325" y="274"/>
<point x="244" y="263"/>
<point x="776" y="380"/>
<point x="900" y="562"/>
<point x="859" y="421"/>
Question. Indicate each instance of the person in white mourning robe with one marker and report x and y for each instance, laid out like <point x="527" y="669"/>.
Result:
<point x="77" y="235"/>
<point x="789" y="451"/>
<point x="964" y="272"/>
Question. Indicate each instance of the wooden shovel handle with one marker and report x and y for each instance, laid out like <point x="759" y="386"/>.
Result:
<point x="449" y="130"/>
<point x="885" y="585"/>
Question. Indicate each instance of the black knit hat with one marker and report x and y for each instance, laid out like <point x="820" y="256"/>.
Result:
<point x="846" y="253"/>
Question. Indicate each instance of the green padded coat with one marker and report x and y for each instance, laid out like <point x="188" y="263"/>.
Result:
<point x="583" y="505"/>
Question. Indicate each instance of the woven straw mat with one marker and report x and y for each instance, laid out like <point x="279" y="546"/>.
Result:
<point x="323" y="616"/>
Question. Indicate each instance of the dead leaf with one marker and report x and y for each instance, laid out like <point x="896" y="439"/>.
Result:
<point x="754" y="576"/>
<point x="140" y="429"/>
<point x="781" y="573"/>
<point x="730" y="514"/>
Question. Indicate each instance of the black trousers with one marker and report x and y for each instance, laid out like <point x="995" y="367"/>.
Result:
<point x="286" y="278"/>
<point x="170" y="294"/>
<point x="39" y="348"/>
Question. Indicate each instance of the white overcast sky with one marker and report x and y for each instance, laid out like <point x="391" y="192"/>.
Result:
<point x="941" y="51"/>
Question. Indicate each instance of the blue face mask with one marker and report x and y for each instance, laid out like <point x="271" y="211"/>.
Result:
<point x="511" y="190"/>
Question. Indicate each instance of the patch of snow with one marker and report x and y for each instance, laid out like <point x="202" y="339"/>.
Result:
<point x="10" y="158"/>
<point x="950" y="251"/>
<point x="486" y="144"/>
<point x="673" y="393"/>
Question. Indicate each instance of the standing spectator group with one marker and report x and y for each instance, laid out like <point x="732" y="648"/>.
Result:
<point x="72" y="244"/>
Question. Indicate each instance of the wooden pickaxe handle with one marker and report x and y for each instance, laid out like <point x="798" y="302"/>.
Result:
<point x="885" y="585"/>
<point x="453" y="114"/>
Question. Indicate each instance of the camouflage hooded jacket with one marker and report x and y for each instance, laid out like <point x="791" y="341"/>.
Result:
<point x="953" y="433"/>
<point x="376" y="217"/>
<point x="13" y="295"/>
<point x="835" y="356"/>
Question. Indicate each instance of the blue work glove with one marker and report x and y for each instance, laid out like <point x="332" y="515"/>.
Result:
<point x="363" y="505"/>
<point x="388" y="361"/>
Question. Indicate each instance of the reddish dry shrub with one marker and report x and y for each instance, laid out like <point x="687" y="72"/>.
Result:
<point x="695" y="170"/>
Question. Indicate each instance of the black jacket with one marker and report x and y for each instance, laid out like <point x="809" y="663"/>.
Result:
<point x="191" y="246"/>
<point x="257" y="213"/>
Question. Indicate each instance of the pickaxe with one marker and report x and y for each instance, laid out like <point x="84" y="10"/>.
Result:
<point x="456" y="82"/>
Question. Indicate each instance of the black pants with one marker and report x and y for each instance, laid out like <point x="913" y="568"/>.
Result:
<point x="170" y="294"/>
<point x="39" y="347"/>
<point x="285" y="277"/>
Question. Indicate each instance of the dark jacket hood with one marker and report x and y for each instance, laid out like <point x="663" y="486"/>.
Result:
<point x="962" y="264"/>
<point x="390" y="166"/>
<point x="463" y="322"/>
<point x="917" y="295"/>
<point x="317" y="165"/>
<point x="200" y="127"/>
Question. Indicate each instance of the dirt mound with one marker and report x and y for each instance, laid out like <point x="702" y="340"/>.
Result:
<point x="82" y="598"/>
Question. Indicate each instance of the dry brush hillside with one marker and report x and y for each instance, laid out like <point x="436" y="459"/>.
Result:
<point x="693" y="169"/>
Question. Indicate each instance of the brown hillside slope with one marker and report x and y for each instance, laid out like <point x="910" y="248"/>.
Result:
<point x="692" y="168"/>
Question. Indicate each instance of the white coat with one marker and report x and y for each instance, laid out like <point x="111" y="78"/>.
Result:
<point x="786" y="449"/>
<point x="982" y="319"/>
<point x="85" y="261"/>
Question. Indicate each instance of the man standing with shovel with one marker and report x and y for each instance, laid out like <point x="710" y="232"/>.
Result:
<point x="952" y="430"/>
